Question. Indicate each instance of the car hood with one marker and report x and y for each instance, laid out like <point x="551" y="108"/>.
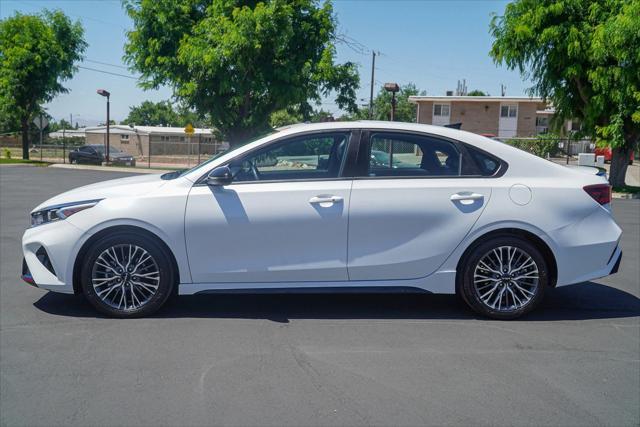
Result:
<point x="123" y="187"/>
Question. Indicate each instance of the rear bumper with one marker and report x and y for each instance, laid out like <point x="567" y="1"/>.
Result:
<point x="587" y="249"/>
<point x="616" y="266"/>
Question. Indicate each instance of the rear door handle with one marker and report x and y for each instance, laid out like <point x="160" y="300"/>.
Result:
<point x="466" y="196"/>
<point x="325" y="199"/>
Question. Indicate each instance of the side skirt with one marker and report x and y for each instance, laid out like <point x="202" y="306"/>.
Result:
<point x="440" y="282"/>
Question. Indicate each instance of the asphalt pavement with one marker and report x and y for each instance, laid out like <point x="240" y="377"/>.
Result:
<point x="312" y="359"/>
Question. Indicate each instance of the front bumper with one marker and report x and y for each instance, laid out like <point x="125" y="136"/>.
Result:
<point x="49" y="252"/>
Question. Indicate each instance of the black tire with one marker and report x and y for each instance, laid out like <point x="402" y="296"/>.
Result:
<point x="167" y="276"/>
<point x="467" y="288"/>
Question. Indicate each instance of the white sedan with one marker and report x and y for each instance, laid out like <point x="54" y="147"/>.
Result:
<point x="310" y="208"/>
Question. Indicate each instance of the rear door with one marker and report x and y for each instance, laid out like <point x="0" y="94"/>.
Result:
<point x="407" y="216"/>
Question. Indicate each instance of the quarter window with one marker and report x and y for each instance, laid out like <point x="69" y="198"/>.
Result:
<point x="411" y="155"/>
<point x="486" y="164"/>
<point x="317" y="156"/>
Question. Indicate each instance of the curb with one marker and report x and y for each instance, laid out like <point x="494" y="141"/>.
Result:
<point x="627" y="196"/>
<point x="107" y="168"/>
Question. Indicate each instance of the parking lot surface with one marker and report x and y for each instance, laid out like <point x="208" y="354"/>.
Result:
<point x="312" y="359"/>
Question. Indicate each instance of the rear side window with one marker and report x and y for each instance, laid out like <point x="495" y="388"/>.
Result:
<point x="412" y="155"/>
<point x="486" y="164"/>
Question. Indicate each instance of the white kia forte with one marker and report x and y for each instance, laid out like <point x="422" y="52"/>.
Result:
<point x="328" y="207"/>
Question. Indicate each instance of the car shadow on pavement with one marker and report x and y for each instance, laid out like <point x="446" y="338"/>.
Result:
<point x="576" y="302"/>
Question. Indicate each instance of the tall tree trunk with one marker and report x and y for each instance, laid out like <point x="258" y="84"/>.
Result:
<point x="620" y="157"/>
<point x="24" y="123"/>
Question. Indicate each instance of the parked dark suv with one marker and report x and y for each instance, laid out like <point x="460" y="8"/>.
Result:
<point x="94" y="155"/>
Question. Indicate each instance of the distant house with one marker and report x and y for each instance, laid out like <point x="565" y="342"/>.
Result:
<point x="68" y="133"/>
<point x="501" y="116"/>
<point x="137" y="140"/>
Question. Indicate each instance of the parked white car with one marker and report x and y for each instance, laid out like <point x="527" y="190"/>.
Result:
<point x="306" y="208"/>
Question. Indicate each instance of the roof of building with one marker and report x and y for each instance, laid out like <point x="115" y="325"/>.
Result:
<point x="467" y="98"/>
<point x="146" y="130"/>
<point x="68" y="133"/>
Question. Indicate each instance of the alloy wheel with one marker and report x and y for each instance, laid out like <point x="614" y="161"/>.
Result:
<point x="125" y="277"/>
<point x="506" y="279"/>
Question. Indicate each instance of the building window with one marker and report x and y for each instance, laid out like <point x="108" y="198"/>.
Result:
<point x="441" y="110"/>
<point x="124" y="138"/>
<point x="542" y="121"/>
<point x="575" y="125"/>
<point x="509" y="111"/>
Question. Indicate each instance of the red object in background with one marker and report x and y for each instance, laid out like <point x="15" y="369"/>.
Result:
<point x="606" y="152"/>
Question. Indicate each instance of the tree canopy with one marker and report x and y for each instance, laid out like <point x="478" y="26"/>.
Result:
<point x="240" y="60"/>
<point x="477" y="92"/>
<point x="405" y="111"/>
<point x="163" y="113"/>
<point x="153" y="114"/>
<point x="583" y="56"/>
<point x="37" y="53"/>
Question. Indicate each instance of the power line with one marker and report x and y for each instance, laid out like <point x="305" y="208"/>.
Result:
<point x="108" y="72"/>
<point x="106" y="63"/>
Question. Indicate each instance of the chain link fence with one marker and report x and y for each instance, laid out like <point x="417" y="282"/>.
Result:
<point x="182" y="152"/>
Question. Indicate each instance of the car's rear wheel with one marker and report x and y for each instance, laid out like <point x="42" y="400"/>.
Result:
<point x="503" y="277"/>
<point x="127" y="275"/>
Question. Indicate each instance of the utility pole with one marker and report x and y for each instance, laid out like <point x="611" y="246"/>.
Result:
<point x="373" y="68"/>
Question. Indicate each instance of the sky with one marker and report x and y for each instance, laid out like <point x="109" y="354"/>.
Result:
<point x="432" y="43"/>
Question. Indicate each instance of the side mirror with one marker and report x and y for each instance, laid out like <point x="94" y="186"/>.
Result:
<point x="220" y="176"/>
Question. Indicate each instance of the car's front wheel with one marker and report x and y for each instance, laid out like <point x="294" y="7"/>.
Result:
<point x="127" y="275"/>
<point x="503" y="277"/>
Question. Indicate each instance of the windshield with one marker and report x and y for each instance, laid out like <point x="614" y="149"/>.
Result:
<point x="176" y="174"/>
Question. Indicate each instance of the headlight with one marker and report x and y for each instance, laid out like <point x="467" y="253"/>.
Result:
<point x="58" y="212"/>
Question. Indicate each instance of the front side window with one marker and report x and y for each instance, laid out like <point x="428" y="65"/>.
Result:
<point x="316" y="156"/>
<point x="410" y="155"/>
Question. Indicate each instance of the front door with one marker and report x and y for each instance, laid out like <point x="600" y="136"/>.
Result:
<point x="508" y="123"/>
<point x="407" y="216"/>
<point x="441" y="114"/>
<point x="283" y="219"/>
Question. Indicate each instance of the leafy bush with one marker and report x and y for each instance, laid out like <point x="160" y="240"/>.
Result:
<point x="542" y="146"/>
<point x="7" y="153"/>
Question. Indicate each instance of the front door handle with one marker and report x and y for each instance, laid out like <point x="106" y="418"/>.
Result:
<point x="466" y="196"/>
<point x="325" y="199"/>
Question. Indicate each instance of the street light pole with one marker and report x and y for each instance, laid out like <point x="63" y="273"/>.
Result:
<point x="393" y="88"/>
<point x="103" y="92"/>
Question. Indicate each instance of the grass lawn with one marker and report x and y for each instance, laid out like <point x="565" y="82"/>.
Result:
<point x="627" y="189"/>
<point x="4" y="161"/>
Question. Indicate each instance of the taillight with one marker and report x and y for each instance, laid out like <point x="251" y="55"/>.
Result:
<point x="601" y="193"/>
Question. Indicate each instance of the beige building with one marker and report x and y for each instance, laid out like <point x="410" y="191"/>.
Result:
<point x="500" y="116"/>
<point x="139" y="141"/>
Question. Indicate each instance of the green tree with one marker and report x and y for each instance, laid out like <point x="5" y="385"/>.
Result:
<point x="405" y="111"/>
<point x="584" y="56"/>
<point x="37" y="53"/>
<point x="477" y="92"/>
<point x="240" y="60"/>
<point x="285" y="117"/>
<point x="153" y="114"/>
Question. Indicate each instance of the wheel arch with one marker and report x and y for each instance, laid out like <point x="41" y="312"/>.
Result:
<point x="131" y="229"/>
<point x="539" y="243"/>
